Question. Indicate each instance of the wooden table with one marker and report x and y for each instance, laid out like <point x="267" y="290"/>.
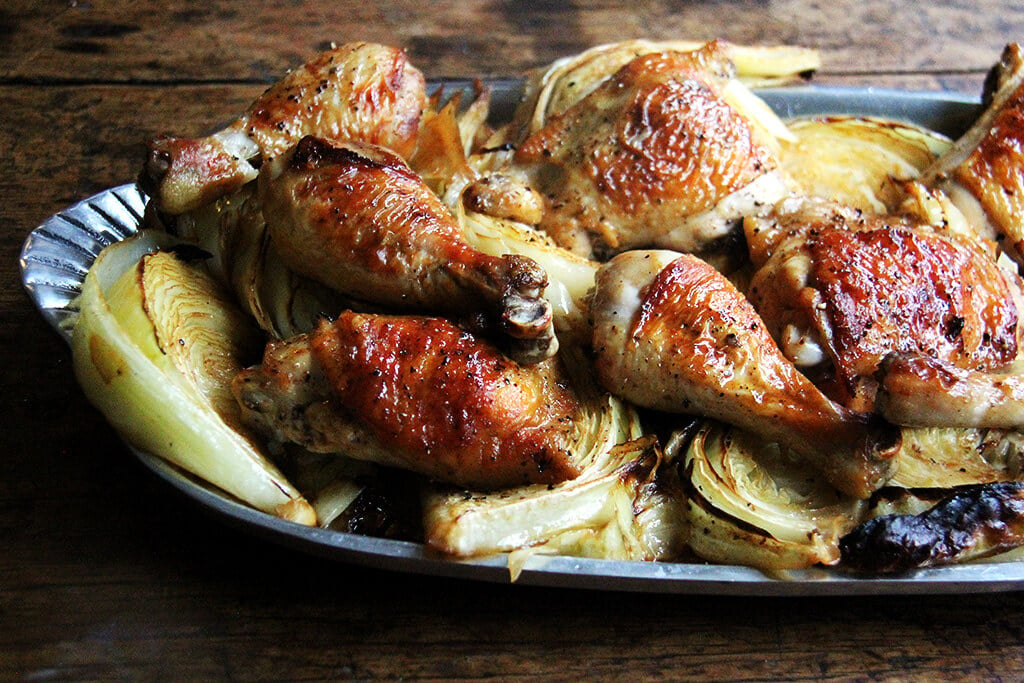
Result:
<point x="106" y="573"/>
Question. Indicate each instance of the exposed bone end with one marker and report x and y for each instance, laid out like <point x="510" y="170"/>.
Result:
<point x="522" y="275"/>
<point x="157" y="165"/>
<point x="1004" y="74"/>
<point x="524" y="316"/>
<point x="183" y="174"/>
<point x="530" y="329"/>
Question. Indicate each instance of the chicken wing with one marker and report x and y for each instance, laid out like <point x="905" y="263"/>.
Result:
<point x="654" y="156"/>
<point x="673" y="334"/>
<point x="358" y="91"/>
<point x="841" y="290"/>
<point x="417" y="393"/>
<point x="357" y="219"/>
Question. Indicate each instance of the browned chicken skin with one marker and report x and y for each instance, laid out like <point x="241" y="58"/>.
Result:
<point x="653" y="157"/>
<point x="673" y="334"/>
<point x="417" y="393"/>
<point x="860" y="287"/>
<point x="358" y="91"/>
<point x="356" y="218"/>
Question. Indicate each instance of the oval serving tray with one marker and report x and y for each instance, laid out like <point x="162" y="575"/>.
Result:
<point x="57" y="254"/>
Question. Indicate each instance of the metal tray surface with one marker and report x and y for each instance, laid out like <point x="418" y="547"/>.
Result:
<point x="57" y="254"/>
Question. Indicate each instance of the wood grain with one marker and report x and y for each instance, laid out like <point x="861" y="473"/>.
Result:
<point x="226" y="41"/>
<point x="107" y="574"/>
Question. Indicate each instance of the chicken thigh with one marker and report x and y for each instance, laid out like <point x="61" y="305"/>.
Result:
<point x="356" y="218"/>
<point x="654" y="156"/>
<point x="417" y="393"/>
<point x="671" y="333"/>
<point x="842" y="290"/>
<point x="358" y="91"/>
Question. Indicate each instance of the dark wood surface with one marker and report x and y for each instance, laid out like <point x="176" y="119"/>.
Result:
<point x="106" y="574"/>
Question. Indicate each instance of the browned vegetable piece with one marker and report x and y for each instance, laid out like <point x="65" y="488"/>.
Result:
<point x="971" y="522"/>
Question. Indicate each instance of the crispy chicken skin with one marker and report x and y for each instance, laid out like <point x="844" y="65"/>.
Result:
<point x="983" y="171"/>
<point x="358" y="91"/>
<point x="653" y="157"/>
<point x="673" y="334"/>
<point x="356" y="218"/>
<point x="842" y="290"/>
<point x="417" y="393"/>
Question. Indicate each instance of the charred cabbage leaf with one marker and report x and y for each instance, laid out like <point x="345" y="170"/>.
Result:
<point x="946" y="457"/>
<point x="969" y="522"/>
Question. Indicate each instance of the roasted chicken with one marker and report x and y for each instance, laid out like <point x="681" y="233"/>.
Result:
<point x="417" y="393"/>
<point x="919" y="390"/>
<point x="841" y="290"/>
<point x="838" y="340"/>
<point x="550" y="90"/>
<point x="673" y="334"/>
<point x="356" y="218"/>
<point x="359" y="91"/>
<point x="654" y="156"/>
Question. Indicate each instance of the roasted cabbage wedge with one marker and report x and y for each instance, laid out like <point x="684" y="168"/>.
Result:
<point x="621" y="507"/>
<point x="858" y="161"/>
<point x="155" y="345"/>
<point x="944" y="457"/>
<point x="747" y="504"/>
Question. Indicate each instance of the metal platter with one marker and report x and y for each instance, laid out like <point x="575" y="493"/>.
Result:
<point x="57" y="254"/>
